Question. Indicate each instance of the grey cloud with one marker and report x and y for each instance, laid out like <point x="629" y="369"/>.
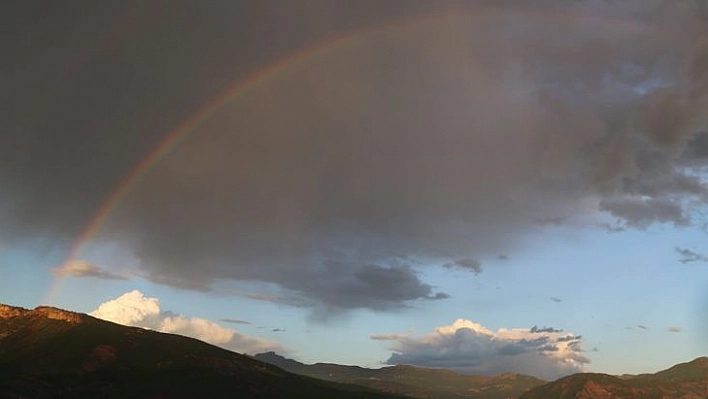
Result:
<point x="387" y="337"/>
<point x="550" y="220"/>
<point x="557" y="300"/>
<point x="467" y="263"/>
<point x="697" y="147"/>
<point x="548" y="348"/>
<point x="441" y="138"/>
<point x="288" y="299"/>
<point x="661" y="117"/>
<point x="344" y="285"/>
<point x="612" y="228"/>
<point x="524" y="346"/>
<point x="235" y="321"/>
<point x="661" y="175"/>
<point x="688" y="256"/>
<point x="81" y="268"/>
<point x="537" y="330"/>
<point x="640" y="213"/>
<point x="675" y="329"/>
<point x="570" y="338"/>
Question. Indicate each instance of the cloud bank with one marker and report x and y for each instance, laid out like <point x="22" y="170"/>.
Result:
<point x="135" y="309"/>
<point x="470" y="348"/>
<point x="453" y="137"/>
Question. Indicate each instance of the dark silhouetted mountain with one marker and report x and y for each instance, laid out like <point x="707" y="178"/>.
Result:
<point x="412" y="381"/>
<point x="685" y="380"/>
<point x="52" y="353"/>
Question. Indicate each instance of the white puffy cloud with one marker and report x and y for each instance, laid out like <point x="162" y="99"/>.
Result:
<point x="471" y="348"/>
<point x="135" y="309"/>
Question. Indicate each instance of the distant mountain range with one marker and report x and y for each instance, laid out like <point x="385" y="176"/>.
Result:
<point x="412" y="381"/>
<point x="53" y="353"/>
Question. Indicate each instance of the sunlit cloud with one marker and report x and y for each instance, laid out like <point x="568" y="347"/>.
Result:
<point x="135" y="309"/>
<point x="469" y="347"/>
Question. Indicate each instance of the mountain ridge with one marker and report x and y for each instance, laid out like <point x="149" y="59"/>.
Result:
<point x="53" y="353"/>
<point x="8" y="311"/>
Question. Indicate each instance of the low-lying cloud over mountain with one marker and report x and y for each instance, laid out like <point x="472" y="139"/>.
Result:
<point x="135" y="309"/>
<point x="470" y="348"/>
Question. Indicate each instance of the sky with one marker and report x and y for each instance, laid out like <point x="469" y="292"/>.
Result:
<point x="489" y="186"/>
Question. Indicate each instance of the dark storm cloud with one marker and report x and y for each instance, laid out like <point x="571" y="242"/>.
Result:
<point x="340" y="285"/>
<point x="697" y="146"/>
<point x="688" y="256"/>
<point x="91" y="87"/>
<point x="336" y="180"/>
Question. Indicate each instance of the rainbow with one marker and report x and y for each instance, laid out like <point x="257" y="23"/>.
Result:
<point x="261" y="77"/>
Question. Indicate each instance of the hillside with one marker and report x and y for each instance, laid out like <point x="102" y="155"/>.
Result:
<point x="52" y="353"/>
<point x="685" y="380"/>
<point x="412" y="381"/>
